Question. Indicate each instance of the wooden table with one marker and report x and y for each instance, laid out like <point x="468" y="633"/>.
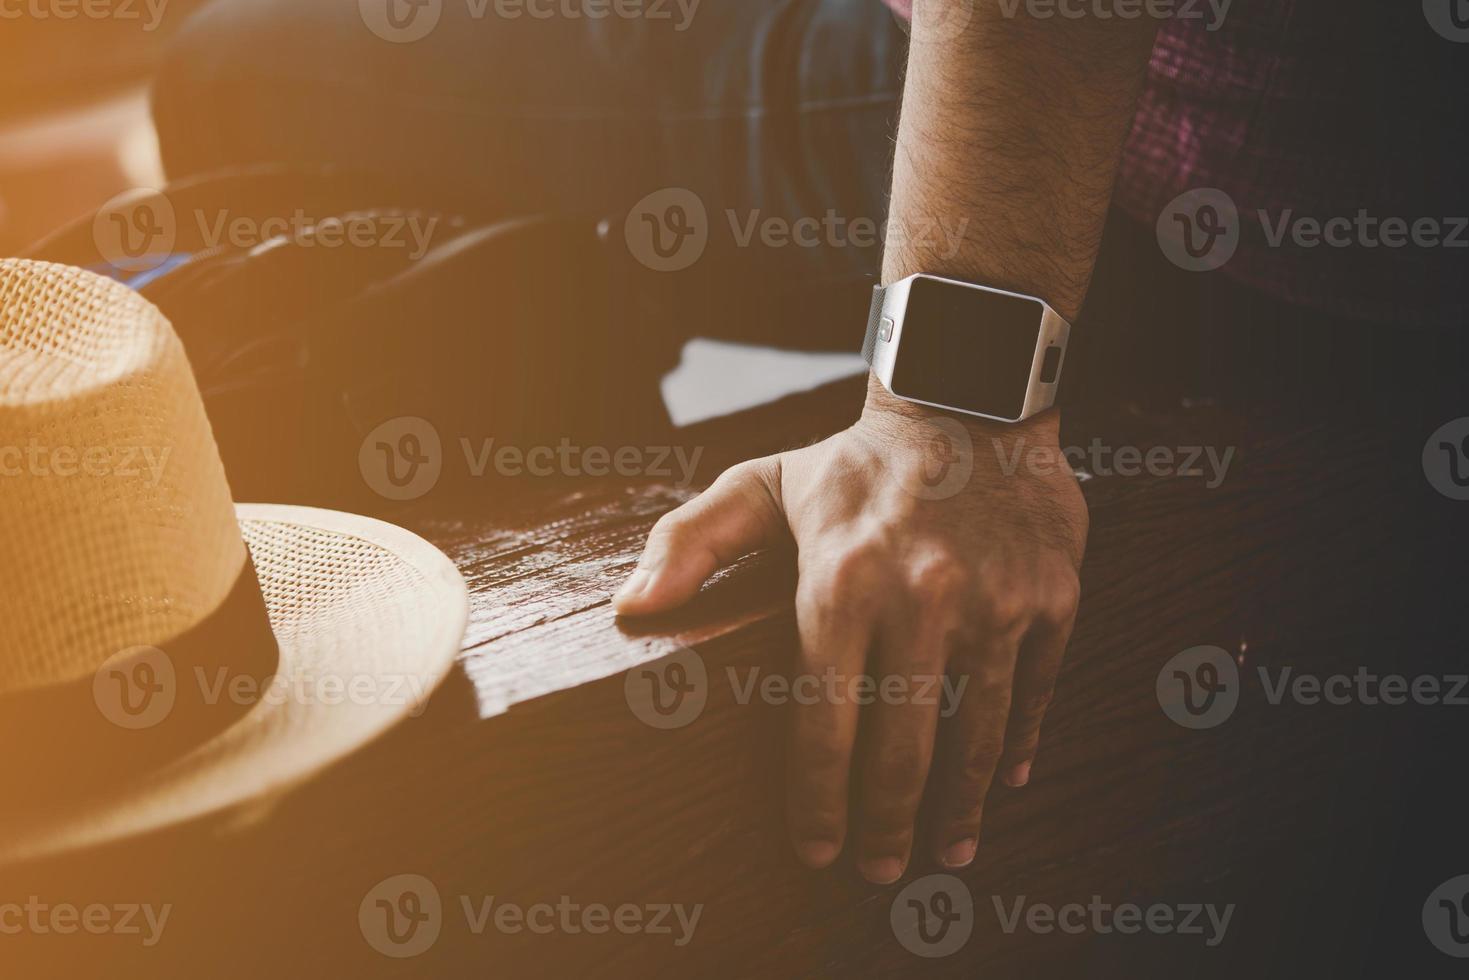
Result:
<point x="530" y="778"/>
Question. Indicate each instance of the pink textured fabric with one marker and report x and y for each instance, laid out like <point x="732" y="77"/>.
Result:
<point x="1265" y="106"/>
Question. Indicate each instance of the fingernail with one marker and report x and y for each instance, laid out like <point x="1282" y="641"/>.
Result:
<point x="1018" y="776"/>
<point x="958" y="855"/>
<point x="817" y="853"/>
<point x="881" y="871"/>
<point x="635" y="584"/>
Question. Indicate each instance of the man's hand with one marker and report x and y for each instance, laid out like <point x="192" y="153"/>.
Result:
<point x="1015" y="122"/>
<point x="927" y="546"/>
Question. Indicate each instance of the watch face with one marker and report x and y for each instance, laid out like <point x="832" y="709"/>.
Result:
<point x="967" y="348"/>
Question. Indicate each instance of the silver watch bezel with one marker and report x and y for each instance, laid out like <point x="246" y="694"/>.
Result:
<point x="1054" y="331"/>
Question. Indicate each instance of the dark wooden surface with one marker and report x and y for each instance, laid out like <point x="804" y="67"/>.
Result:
<point x="530" y="778"/>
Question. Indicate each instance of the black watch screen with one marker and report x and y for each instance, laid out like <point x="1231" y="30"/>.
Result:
<point x="968" y="348"/>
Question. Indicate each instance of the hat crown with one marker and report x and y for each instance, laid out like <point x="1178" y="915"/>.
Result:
<point x="116" y="520"/>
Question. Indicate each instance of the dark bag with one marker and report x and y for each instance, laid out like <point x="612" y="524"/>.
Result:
<point x="527" y="330"/>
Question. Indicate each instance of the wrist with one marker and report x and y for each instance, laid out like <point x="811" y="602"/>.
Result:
<point x="906" y="421"/>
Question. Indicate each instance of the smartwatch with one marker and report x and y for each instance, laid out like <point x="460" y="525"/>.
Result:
<point x="966" y="348"/>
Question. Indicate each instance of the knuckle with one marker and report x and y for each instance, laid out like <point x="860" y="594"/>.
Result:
<point x="852" y="574"/>
<point x="992" y="683"/>
<point x="1021" y="748"/>
<point x="1033" y="705"/>
<point x="855" y="573"/>
<point x="978" y="767"/>
<point x="821" y="757"/>
<point x="672" y="528"/>
<point x="886" y="820"/>
<point x="819" y="813"/>
<point x="749" y="473"/>
<point x="940" y="578"/>
<point x="1061" y="598"/>
<point x="966" y="800"/>
<point x="897" y="768"/>
<point x="1005" y="606"/>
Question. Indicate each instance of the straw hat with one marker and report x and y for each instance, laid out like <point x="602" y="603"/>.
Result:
<point x="164" y="652"/>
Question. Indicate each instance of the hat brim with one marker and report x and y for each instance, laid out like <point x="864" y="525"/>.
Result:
<point x="369" y="619"/>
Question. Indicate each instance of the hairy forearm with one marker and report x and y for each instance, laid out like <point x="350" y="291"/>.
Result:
<point x="1011" y="131"/>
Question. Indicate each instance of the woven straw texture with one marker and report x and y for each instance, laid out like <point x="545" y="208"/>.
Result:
<point x="103" y="551"/>
<point x="115" y="513"/>
<point x="369" y="618"/>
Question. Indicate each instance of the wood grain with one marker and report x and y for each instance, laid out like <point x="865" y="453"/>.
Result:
<point x="530" y="778"/>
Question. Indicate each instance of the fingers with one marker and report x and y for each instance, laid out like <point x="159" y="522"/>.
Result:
<point x="1036" y="670"/>
<point x="897" y="747"/>
<point x="975" y="739"/>
<point x="738" y="514"/>
<point x="835" y="635"/>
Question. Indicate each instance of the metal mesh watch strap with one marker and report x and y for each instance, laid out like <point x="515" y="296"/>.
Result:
<point x="874" y="322"/>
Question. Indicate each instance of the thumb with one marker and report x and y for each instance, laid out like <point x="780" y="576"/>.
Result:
<point x="738" y="514"/>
